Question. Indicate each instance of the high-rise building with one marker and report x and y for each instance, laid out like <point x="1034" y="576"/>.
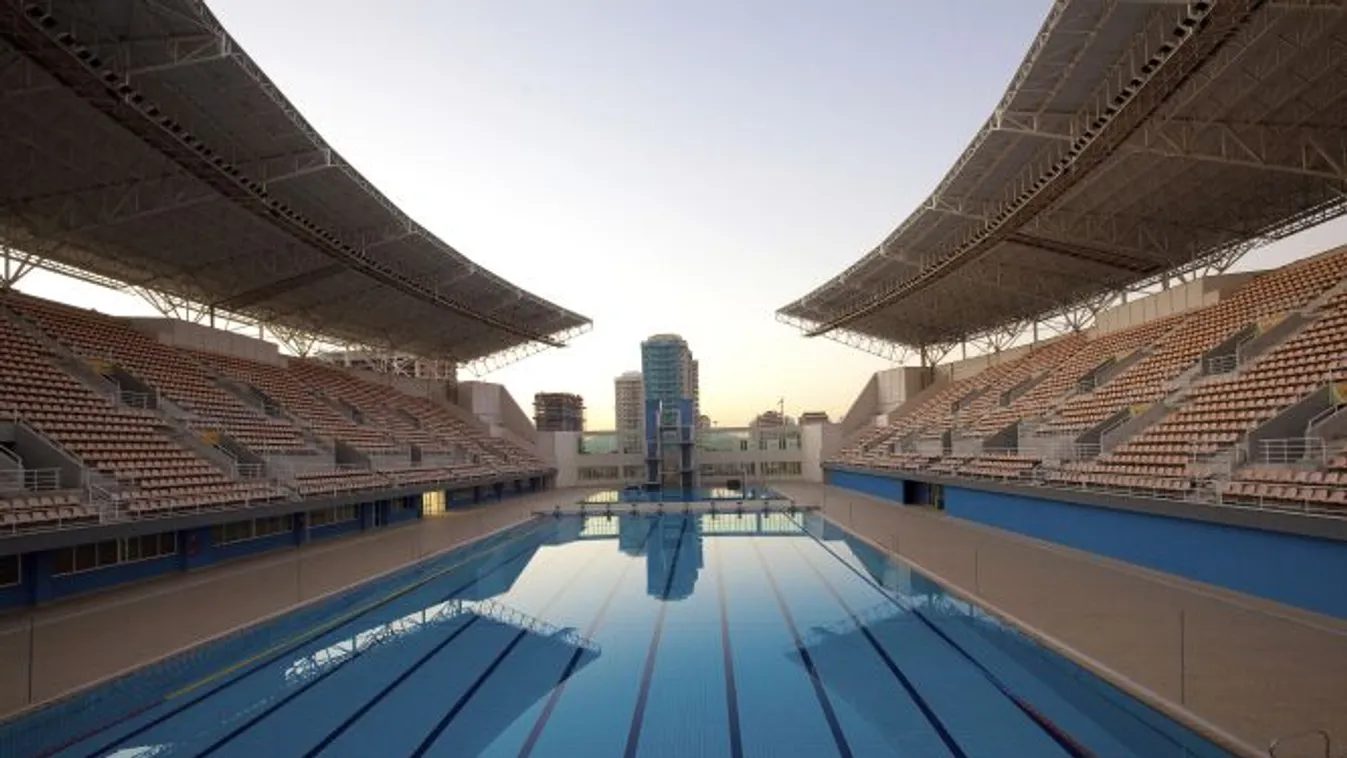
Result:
<point x="629" y="394"/>
<point x="558" y="412"/>
<point x="669" y="371"/>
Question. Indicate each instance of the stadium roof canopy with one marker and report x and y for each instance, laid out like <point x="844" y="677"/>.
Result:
<point x="140" y="143"/>
<point x="1137" y="140"/>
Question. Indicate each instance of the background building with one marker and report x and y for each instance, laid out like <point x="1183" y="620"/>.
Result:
<point x="558" y="412"/>
<point x="670" y="374"/>
<point x="629" y="395"/>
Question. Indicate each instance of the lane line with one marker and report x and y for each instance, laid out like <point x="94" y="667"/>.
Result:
<point x="537" y="731"/>
<point x="1059" y="735"/>
<point x="269" y="656"/>
<point x="830" y="715"/>
<point x="731" y="688"/>
<point x="647" y="674"/>
<point x="926" y="710"/>
<point x="378" y="697"/>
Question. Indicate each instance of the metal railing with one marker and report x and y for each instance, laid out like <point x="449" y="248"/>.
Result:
<point x="1220" y="364"/>
<point x="138" y="400"/>
<point x="30" y="480"/>
<point x="1290" y="450"/>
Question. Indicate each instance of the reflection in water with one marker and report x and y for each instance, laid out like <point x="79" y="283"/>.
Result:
<point x="666" y="552"/>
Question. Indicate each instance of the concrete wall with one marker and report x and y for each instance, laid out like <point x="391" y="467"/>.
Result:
<point x="204" y="338"/>
<point x="818" y="443"/>
<point x="1180" y="299"/>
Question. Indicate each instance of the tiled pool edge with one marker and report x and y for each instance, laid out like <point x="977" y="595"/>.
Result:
<point x="1176" y="711"/>
<point x="73" y="692"/>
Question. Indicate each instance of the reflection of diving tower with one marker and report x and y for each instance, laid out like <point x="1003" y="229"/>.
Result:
<point x="670" y="447"/>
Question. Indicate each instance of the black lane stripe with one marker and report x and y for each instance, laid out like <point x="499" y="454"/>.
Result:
<point x="536" y="732"/>
<point x="369" y="704"/>
<point x="731" y="689"/>
<point x="643" y="696"/>
<point x="271" y="709"/>
<point x="926" y="710"/>
<point x="1058" y="735"/>
<point x="267" y="661"/>
<point x="463" y="699"/>
<point x="839" y="737"/>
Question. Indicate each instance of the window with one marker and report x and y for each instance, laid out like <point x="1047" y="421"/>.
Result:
<point x="242" y="531"/>
<point x="337" y="515"/>
<point x="97" y="555"/>
<point x="10" y="571"/>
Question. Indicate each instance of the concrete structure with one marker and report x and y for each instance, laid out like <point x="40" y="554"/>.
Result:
<point x="558" y="412"/>
<point x="789" y="453"/>
<point x="629" y="402"/>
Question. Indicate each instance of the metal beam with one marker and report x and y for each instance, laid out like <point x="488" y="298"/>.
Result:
<point x="1121" y="106"/>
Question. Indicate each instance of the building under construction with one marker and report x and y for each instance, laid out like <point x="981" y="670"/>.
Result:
<point x="558" y="412"/>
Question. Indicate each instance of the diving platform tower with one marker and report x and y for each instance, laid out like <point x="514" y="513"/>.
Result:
<point x="671" y="448"/>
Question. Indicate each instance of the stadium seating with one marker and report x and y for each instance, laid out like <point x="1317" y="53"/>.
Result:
<point x="65" y="373"/>
<point x="128" y="445"/>
<point x="169" y="371"/>
<point x="1194" y="444"/>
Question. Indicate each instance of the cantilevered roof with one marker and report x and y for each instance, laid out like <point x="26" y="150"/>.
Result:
<point x="139" y="142"/>
<point x="1137" y="138"/>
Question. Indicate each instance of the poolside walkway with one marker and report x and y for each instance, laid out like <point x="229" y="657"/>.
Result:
<point x="1255" y="669"/>
<point x="70" y="644"/>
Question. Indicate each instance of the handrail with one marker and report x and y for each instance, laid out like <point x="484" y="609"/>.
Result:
<point x="1291" y="450"/>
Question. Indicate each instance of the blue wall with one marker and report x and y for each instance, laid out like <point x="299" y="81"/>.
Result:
<point x="878" y="486"/>
<point x="1300" y="571"/>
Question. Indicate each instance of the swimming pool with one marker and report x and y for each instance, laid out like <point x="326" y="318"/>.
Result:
<point x="662" y="635"/>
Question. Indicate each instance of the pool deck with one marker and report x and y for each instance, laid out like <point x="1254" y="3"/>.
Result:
<point x="1254" y="669"/>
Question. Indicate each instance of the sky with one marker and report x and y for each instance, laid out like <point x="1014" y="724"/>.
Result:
<point x="683" y="167"/>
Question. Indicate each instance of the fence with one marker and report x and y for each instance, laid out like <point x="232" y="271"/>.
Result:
<point x="1290" y="450"/>
<point x="30" y="480"/>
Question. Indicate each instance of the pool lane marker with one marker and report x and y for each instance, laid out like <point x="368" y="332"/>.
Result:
<point x="594" y="625"/>
<point x="926" y="710"/>
<point x="272" y="653"/>
<point x="830" y="715"/>
<point x="727" y="658"/>
<point x="643" y="696"/>
<point x="339" y="665"/>
<point x="1059" y="735"/>
<point x="466" y="697"/>
<point x="378" y="697"/>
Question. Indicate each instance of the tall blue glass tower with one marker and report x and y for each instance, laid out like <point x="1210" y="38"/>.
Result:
<point x="671" y="408"/>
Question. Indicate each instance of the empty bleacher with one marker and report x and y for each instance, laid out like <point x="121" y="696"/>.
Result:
<point x="154" y="449"/>
<point x="1199" y="438"/>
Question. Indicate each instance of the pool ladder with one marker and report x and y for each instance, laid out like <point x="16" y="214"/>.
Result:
<point x="1320" y="735"/>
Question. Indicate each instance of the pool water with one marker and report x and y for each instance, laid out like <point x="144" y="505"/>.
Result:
<point x="661" y="635"/>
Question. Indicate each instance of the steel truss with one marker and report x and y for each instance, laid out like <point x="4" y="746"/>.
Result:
<point x="183" y="170"/>
<point x="1251" y="90"/>
<point x="297" y="342"/>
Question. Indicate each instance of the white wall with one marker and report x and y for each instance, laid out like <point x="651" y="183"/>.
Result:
<point x="1178" y="299"/>
<point x="198" y="337"/>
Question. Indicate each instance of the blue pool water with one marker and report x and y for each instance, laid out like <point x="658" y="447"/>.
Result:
<point x="661" y="635"/>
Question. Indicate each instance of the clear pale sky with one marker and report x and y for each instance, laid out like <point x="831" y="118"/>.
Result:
<point x="678" y="167"/>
